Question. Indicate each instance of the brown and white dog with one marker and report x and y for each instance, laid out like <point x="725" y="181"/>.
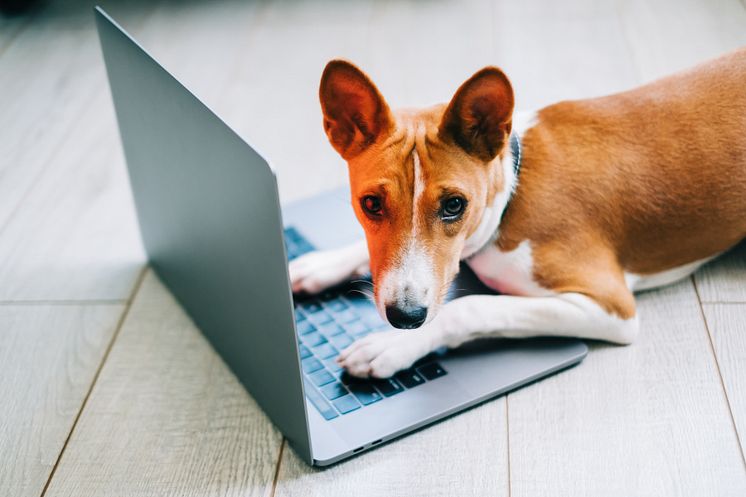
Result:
<point x="612" y="195"/>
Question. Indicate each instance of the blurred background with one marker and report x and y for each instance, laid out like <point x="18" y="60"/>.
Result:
<point x="71" y="264"/>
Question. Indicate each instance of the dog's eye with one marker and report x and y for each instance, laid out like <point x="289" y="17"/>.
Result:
<point x="371" y="205"/>
<point x="453" y="208"/>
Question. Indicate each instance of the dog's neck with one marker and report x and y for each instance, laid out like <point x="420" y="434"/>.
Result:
<point x="489" y="226"/>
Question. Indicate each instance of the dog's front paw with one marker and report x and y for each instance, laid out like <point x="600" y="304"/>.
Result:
<point x="316" y="271"/>
<point x="380" y="355"/>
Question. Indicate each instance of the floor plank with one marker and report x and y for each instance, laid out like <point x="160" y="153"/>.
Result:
<point x="66" y="241"/>
<point x="272" y="97"/>
<point x="166" y="417"/>
<point x="727" y="326"/>
<point x="667" y="36"/>
<point x="76" y="237"/>
<point x="49" y="355"/>
<point x="555" y="51"/>
<point x="724" y="279"/>
<point x="648" y="419"/>
<point x="466" y="456"/>
<point x="48" y="75"/>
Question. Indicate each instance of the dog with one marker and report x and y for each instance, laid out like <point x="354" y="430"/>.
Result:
<point x="566" y="211"/>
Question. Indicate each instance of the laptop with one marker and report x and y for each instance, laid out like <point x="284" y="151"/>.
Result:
<point x="215" y="234"/>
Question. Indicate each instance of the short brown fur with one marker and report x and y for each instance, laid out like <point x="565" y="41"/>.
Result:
<point x="639" y="182"/>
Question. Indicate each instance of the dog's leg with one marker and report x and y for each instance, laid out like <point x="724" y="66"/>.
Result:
<point x="315" y="271"/>
<point x="476" y="316"/>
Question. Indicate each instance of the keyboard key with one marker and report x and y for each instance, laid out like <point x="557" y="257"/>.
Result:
<point x="331" y="329"/>
<point x="311" y="307"/>
<point x="299" y="316"/>
<point x="336" y="305"/>
<point x="319" y="402"/>
<point x="334" y="390"/>
<point x="388" y="387"/>
<point x="304" y="351"/>
<point x="325" y="351"/>
<point x="313" y="339"/>
<point x="321" y="377"/>
<point x="432" y="371"/>
<point x="304" y="327"/>
<point x="341" y="341"/>
<point x="346" y="404"/>
<point x="373" y="321"/>
<point x="345" y="317"/>
<point x="365" y="393"/>
<point x="357" y="328"/>
<point x="310" y="365"/>
<point x="409" y="378"/>
<point x="321" y="318"/>
<point x="332" y="366"/>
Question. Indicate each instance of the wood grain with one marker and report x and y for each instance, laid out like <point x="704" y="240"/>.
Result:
<point x="49" y="355"/>
<point x="724" y="279"/>
<point x="466" y="456"/>
<point x="48" y="75"/>
<point x="272" y="96"/>
<point x="555" y="51"/>
<point x="66" y="218"/>
<point x="649" y="419"/>
<point x="166" y="416"/>
<point x="671" y="35"/>
<point x="76" y="237"/>
<point x="727" y="326"/>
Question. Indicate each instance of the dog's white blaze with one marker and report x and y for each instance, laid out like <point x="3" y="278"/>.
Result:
<point x="638" y="282"/>
<point x="418" y="190"/>
<point x="411" y="279"/>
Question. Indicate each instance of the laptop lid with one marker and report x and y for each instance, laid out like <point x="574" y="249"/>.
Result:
<point x="210" y="220"/>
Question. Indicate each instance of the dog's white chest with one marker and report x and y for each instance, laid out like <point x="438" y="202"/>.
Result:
<point x="507" y="272"/>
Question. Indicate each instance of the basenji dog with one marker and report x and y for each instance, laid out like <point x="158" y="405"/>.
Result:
<point x="566" y="212"/>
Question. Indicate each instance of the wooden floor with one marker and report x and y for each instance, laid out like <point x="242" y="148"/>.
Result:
<point x="108" y="390"/>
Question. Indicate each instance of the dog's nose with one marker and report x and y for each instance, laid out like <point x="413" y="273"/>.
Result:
<point x="406" y="319"/>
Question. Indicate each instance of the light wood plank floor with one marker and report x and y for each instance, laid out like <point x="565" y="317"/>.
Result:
<point x="108" y="389"/>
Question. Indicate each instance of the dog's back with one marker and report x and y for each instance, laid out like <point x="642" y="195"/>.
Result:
<point x="657" y="173"/>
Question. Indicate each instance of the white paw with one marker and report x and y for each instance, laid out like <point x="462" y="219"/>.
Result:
<point x="316" y="271"/>
<point x="382" y="354"/>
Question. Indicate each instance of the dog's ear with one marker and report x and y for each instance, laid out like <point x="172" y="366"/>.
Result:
<point x="355" y="113"/>
<point x="479" y="117"/>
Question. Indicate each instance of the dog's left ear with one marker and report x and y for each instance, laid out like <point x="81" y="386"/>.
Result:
<point x="355" y="113"/>
<point x="479" y="117"/>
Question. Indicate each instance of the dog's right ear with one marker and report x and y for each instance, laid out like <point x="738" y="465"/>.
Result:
<point x="355" y="113"/>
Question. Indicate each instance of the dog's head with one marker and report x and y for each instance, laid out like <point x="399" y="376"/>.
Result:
<point x="420" y="179"/>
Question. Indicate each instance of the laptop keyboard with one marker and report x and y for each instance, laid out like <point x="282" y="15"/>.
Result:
<point x="327" y="324"/>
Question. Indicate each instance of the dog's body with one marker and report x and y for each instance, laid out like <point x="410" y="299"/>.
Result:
<point x="613" y="195"/>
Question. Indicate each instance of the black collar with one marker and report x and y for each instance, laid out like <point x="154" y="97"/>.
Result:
<point x="515" y="149"/>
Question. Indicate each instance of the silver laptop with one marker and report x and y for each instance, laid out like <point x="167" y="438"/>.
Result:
<point x="215" y="234"/>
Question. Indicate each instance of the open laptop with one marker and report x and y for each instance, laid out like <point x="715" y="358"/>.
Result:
<point x="215" y="234"/>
